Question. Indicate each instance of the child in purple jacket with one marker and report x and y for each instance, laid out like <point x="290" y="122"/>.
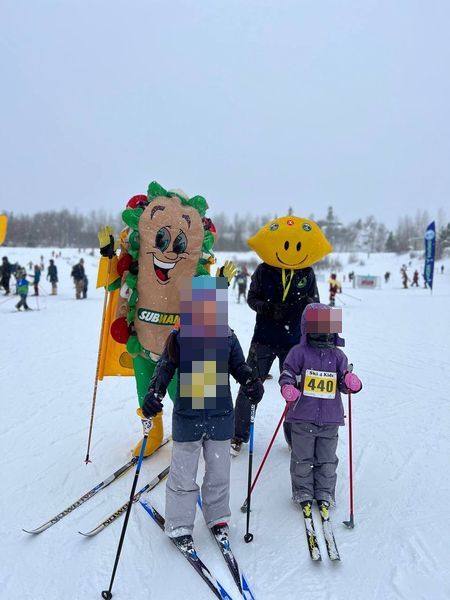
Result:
<point x="314" y="373"/>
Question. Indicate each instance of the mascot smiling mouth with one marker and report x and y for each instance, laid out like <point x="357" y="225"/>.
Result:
<point x="288" y="264"/>
<point x="162" y="269"/>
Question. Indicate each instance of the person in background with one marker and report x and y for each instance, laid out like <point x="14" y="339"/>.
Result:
<point x="52" y="276"/>
<point x="6" y="274"/>
<point x="335" y="288"/>
<point x="36" y="279"/>
<point x="387" y="275"/>
<point x="405" y="278"/>
<point x="78" y="275"/>
<point x="240" y="280"/>
<point x="442" y="269"/>
<point x="85" y="286"/>
<point x="22" y="289"/>
<point x="415" y="280"/>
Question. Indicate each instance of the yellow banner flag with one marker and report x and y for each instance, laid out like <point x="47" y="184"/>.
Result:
<point x="114" y="358"/>
<point x="3" y="227"/>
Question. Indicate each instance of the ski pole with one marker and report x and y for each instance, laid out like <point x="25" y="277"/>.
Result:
<point x="350" y="524"/>
<point x="350" y="296"/>
<point x="248" y="537"/>
<point x="94" y="395"/>
<point x="147" y="424"/>
<point x="286" y="408"/>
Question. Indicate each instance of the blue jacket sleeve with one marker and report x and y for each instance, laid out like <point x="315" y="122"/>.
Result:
<point x="164" y="371"/>
<point x="237" y="366"/>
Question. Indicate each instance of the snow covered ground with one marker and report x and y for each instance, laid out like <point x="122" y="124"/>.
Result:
<point x="399" y="342"/>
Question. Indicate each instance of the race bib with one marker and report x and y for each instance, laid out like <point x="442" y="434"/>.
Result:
<point x="320" y="384"/>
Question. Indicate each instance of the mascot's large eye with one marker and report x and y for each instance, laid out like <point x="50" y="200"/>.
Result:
<point x="180" y="243"/>
<point x="286" y="245"/>
<point x="162" y="239"/>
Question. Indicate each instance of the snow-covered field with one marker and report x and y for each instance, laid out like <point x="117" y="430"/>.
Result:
<point x="399" y="342"/>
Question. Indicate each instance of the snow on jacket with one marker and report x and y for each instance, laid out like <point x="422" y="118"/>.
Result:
<point x="267" y="286"/>
<point x="189" y="424"/>
<point x="300" y="362"/>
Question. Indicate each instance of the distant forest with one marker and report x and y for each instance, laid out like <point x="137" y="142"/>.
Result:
<point x="70" y="229"/>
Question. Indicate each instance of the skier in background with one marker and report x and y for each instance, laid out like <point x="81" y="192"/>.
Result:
<point x="36" y="279"/>
<point x="314" y="374"/>
<point x="241" y="281"/>
<point x="85" y="286"/>
<point x="387" y="276"/>
<point x="405" y="277"/>
<point x="78" y="276"/>
<point x="415" y="280"/>
<point x="22" y="289"/>
<point x="52" y="276"/>
<point x="335" y="288"/>
<point x="6" y="274"/>
<point x="442" y="269"/>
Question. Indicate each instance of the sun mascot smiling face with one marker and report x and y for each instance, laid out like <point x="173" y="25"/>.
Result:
<point x="290" y="243"/>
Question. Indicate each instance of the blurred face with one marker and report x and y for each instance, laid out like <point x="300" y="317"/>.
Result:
<point x="320" y="320"/>
<point x="204" y="308"/>
<point x="203" y="342"/>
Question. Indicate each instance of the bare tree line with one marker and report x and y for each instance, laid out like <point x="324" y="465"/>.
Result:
<point x="64" y="228"/>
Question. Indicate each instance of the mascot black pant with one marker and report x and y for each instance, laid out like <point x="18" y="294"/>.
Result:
<point x="260" y="359"/>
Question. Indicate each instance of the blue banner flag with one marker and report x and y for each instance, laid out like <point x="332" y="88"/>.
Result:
<point x="430" y="247"/>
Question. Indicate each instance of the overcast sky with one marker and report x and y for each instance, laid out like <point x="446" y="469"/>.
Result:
<point x="257" y="105"/>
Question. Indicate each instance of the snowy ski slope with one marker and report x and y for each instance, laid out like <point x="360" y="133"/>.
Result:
<point x="399" y="342"/>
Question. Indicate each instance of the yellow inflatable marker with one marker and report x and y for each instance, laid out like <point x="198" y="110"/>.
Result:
<point x="290" y="243"/>
<point x="3" y="226"/>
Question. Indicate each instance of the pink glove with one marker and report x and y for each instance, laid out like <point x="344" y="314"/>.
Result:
<point x="289" y="392"/>
<point x="352" y="382"/>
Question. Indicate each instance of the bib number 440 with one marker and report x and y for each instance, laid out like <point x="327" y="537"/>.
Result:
<point x="320" y="384"/>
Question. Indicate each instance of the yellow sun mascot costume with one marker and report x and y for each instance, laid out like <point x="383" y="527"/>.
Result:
<point x="280" y="288"/>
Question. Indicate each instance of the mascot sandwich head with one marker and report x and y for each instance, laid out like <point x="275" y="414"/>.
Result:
<point x="290" y="243"/>
<point x="167" y="242"/>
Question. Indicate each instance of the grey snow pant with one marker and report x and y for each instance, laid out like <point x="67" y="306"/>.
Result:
<point x="314" y="462"/>
<point x="182" y="490"/>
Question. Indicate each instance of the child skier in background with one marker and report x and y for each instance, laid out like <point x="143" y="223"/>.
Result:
<point x="22" y="290"/>
<point x="205" y="351"/>
<point x="36" y="279"/>
<point x="314" y="373"/>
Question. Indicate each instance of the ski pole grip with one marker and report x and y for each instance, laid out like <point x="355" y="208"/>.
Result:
<point x="146" y="423"/>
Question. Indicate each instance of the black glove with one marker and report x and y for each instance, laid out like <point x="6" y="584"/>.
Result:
<point x="108" y="251"/>
<point x="254" y="390"/>
<point x="152" y="404"/>
<point x="280" y="311"/>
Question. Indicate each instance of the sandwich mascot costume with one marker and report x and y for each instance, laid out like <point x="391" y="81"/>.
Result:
<point x="281" y="286"/>
<point x="167" y="238"/>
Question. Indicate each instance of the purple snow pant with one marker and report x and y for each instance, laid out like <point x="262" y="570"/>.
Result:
<point x="182" y="490"/>
<point x="313" y="461"/>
